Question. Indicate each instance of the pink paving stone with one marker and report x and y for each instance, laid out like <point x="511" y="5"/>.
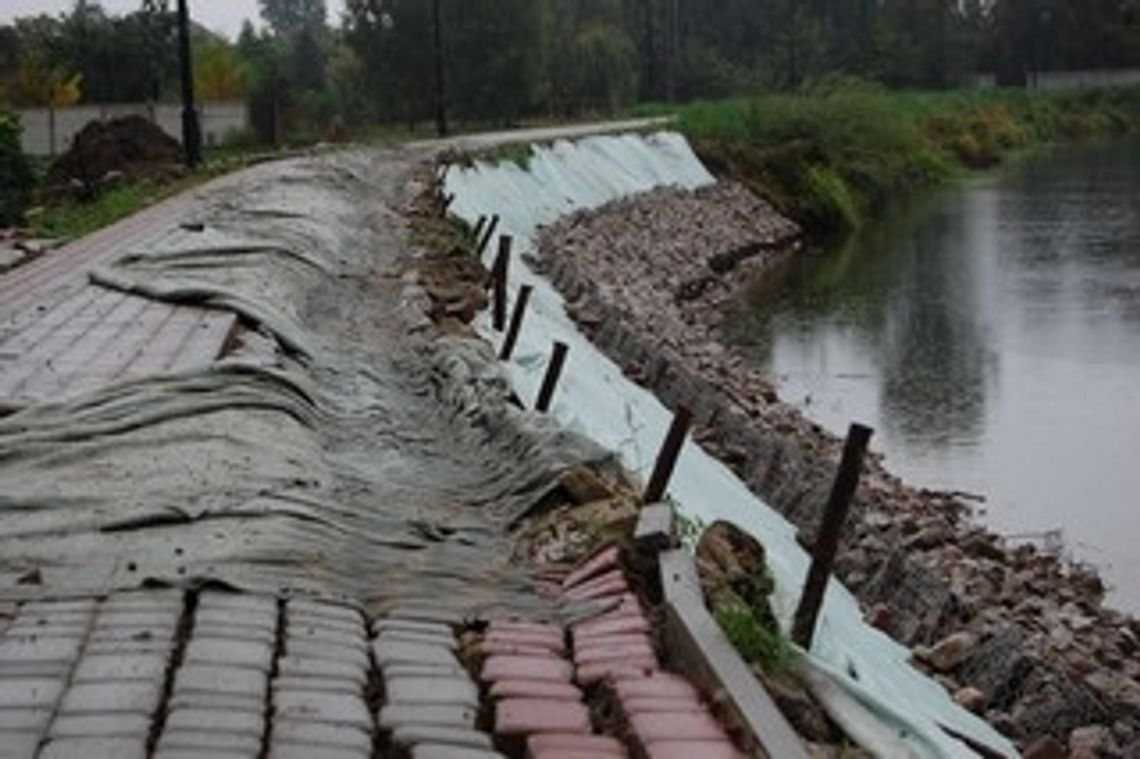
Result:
<point x="660" y="685"/>
<point x="608" y="580"/>
<point x="552" y="742"/>
<point x="547" y="689"/>
<point x="675" y="726"/>
<point x="527" y="716"/>
<point x="712" y="749"/>
<point x="613" y="626"/>
<point x="646" y="704"/>
<point x="615" y="669"/>
<point x="614" y="588"/>
<point x="547" y="642"/>
<point x="605" y="559"/>
<point x="588" y="654"/>
<point x="538" y="628"/>
<point x="526" y="668"/>
<point x="631" y="639"/>
<point x="492" y="647"/>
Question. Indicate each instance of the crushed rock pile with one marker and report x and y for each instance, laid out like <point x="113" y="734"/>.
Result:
<point x="126" y="147"/>
<point x="1014" y="633"/>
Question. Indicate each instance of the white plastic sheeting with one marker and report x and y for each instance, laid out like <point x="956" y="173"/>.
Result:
<point x="860" y="674"/>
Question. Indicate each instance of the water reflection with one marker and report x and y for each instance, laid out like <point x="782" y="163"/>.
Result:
<point x="992" y="335"/>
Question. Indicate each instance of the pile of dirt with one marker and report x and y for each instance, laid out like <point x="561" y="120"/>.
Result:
<point x="105" y="151"/>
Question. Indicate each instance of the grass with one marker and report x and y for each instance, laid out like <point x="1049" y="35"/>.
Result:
<point x="71" y="219"/>
<point x="833" y="155"/>
<point x="758" y="643"/>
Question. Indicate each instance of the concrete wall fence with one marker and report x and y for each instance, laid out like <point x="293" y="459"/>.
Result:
<point x="220" y="120"/>
<point x="1073" y="80"/>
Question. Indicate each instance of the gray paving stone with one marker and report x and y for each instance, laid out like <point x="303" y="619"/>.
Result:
<point x="209" y="753"/>
<point x="320" y="734"/>
<point x="209" y="740"/>
<point x="25" y="719"/>
<point x="291" y="751"/>
<point x="32" y="649"/>
<point x="162" y="618"/>
<point x="334" y="708"/>
<point x="163" y="635"/>
<point x="130" y="647"/>
<point x="306" y="667"/>
<point x="289" y="683"/>
<point x="329" y="652"/>
<point x="447" y="640"/>
<point x="441" y="751"/>
<point x="412" y="735"/>
<point x="144" y="601"/>
<point x="355" y="627"/>
<point x="396" y="715"/>
<point x="404" y="652"/>
<point x="137" y="667"/>
<point x="89" y="748"/>
<point x="235" y="653"/>
<point x="18" y="745"/>
<point x="432" y="690"/>
<point x="260" y="620"/>
<point x="212" y="678"/>
<point x="48" y="669"/>
<point x="228" y="701"/>
<point x="326" y="636"/>
<point x="412" y="626"/>
<point x="427" y="613"/>
<point x="392" y="671"/>
<point x="100" y="726"/>
<point x="214" y="630"/>
<point x="140" y="696"/>
<point x="216" y="720"/>
<point x="80" y="606"/>
<point x="300" y="607"/>
<point x="29" y="692"/>
<point x="47" y="628"/>
<point x="241" y="605"/>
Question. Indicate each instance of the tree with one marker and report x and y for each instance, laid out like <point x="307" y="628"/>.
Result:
<point x="218" y="72"/>
<point x="17" y="179"/>
<point x="287" y="17"/>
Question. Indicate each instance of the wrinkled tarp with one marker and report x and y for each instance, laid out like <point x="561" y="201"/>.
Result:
<point x="346" y="449"/>
<point x="861" y="675"/>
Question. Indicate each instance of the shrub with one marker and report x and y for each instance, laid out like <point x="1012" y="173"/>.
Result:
<point x="17" y="178"/>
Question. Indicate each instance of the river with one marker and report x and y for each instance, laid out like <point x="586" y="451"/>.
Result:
<point x="990" y="332"/>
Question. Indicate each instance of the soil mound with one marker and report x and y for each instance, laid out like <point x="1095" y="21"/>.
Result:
<point x="105" y="150"/>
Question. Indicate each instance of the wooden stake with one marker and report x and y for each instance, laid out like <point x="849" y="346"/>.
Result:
<point x="667" y="456"/>
<point x="516" y="323"/>
<point x="830" y="532"/>
<point x="499" y="282"/>
<point x="477" y="235"/>
<point x="550" y="381"/>
<point x="488" y="234"/>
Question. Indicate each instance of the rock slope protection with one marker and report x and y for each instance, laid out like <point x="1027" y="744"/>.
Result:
<point x="861" y="674"/>
<point x="342" y="448"/>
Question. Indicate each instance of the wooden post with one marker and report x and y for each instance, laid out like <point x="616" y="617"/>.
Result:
<point x="827" y="543"/>
<point x="550" y="381"/>
<point x="488" y="234"/>
<point x="667" y="456"/>
<point x="448" y="199"/>
<point x="516" y="323"/>
<point x="499" y="283"/>
<point x="477" y="234"/>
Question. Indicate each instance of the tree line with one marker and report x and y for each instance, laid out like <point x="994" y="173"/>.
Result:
<point x="503" y="60"/>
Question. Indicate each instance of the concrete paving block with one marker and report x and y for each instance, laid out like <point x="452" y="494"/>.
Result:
<point x="197" y="753"/>
<point x="240" y="605"/>
<point x="616" y="669"/>
<point x="320" y="734"/>
<point x="18" y="745"/>
<point x="211" y="678"/>
<point x="333" y="708"/>
<point x="442" y="751"/>
<point x="712" y="749"/>
<point x="148" y="601"/>
<point x="388" y="624"/>
<point x="45" y="628"/>
<point x="305" y="667"/>
<point x="601" y="745"/>
<point x="408" y="736"/>
<point x="138" y="696"/>
<point x="209" y="740"/>
<point x="130" y="647"/>
<point x="659" y="685"/>
<point x="32" y="649"/>
<point x="432" y="690"/>
<point x="138" y="667"/>
<point x="301" y="751"/>
<point x="391" y="671"/>
<point x="527" y="716"/>
<point x="79" y="606"/>
<point x="301" y="634"/>
<point x="535" y="689"/>
<point x="25" y="719"/>
<point x="447" y="640"/>
<point x="675" y="726"/>
<point x="526" y="668"/>
<point x="300" y="607"/>
<point x="36" y="669"/>
<point x="29" y="692"/>
<point x="588" y="654"/>
<point x="216" y="720"/>
<point x="220" y="631"/>
<point x="403" y="652"/>
<point x="295" y="683"/>
<point x="232" y="653"/>
<point x="328" y="651"/>
<point x="88" y="748"/>
<point x="162" y="618"/>
<point x="420" y="612"/>
<point x="260" y="620"/>
<point x="228" y="701"/>
<point x="123" y="725"/>
<point x="161" y="636"/>
<point x="397" y="715"/>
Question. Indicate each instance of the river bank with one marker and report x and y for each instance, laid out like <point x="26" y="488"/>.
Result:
<point x="1013" y="633"/>
<point x="834" y="156"/>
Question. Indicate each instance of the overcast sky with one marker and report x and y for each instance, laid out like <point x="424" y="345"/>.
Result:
<point x="224" y="16"/>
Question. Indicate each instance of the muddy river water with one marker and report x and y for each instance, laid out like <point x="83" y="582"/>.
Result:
<point x="991" y="335"/>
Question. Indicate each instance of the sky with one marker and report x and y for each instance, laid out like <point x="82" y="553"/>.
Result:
<point x="223" y="16"/>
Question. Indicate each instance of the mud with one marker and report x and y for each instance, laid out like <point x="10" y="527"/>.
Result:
<point x="130" y="147"/>
<point x="648" y="278"/>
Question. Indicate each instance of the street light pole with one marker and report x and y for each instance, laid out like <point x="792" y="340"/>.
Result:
<point x="440" y="93"/>
<point x="191" y="129"/>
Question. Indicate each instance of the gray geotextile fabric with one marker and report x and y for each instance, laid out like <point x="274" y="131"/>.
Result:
<point x="350" y="450"/>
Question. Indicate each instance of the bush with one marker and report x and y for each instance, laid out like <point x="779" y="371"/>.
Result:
<point x="17" y="178"/>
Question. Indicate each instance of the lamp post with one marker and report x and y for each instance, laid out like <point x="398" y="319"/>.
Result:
<point x="191" y="129"/>
<point x="440" y="90"/>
